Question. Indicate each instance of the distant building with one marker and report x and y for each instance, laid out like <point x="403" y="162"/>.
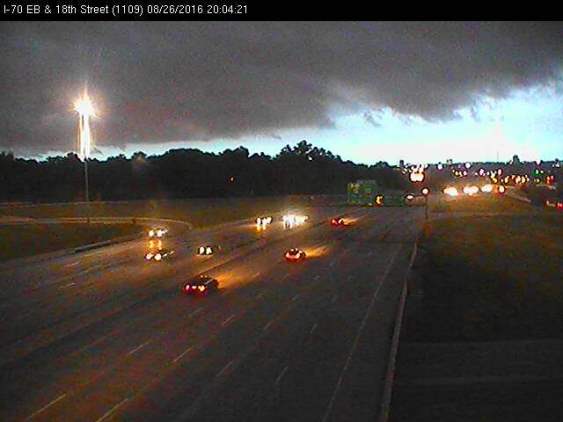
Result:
<point x="449" y="162"/>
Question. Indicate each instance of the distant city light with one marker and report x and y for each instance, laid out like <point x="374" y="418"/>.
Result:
<point x="417" y="176"/>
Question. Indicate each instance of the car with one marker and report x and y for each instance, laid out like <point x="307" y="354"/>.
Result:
<point x="554" y="203"/>
<point x="158" y="232"/>
<point x="159" y="254"/>
<point x="205" y="250"/>
<point x="339" y="222"/>
<point x="201" y="285"/>
<point x="262" y="222"/>
<point x="295" y="255"/>
<point x="291" y="220"/>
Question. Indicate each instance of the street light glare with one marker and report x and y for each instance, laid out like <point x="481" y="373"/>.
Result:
<point x="83" y="106"/>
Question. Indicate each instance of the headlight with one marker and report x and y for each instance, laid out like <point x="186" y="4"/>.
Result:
<point x="151" y="233"/>
<point x="148" y="256"/>
<point x="209" y="251"/>
<point x="487" y="188"/>
<point x="451" y="191"/>
<point x="201" y="250"/>
<point x="158" y="257"/>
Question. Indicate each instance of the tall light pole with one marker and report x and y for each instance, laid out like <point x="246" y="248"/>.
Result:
<point x="83" y="106"/>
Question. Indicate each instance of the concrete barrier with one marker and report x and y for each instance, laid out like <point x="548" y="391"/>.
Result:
<point x="390" y="373"/>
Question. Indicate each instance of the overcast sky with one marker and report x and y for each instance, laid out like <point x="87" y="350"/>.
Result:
<point x="367" y="91"/>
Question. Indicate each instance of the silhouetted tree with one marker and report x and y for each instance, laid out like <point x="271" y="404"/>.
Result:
<point x="185" y="173"/>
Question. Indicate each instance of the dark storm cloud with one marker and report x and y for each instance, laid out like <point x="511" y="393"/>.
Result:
<point x="173" y="81"/>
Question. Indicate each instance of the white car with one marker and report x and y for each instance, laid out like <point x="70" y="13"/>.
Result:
<point x="158" y="232"/>
<point x="205" y="250"/>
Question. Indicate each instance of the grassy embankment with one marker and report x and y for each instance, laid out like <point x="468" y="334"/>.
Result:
<point x="491" y="277"/>
<point x="482" y="203"/>
<point x="484" y="340"/>
<point x="32" y="239"/>
<point x="199" y="212"/>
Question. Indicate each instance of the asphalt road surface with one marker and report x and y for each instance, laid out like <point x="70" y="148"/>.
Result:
<point x="105" y="335"/>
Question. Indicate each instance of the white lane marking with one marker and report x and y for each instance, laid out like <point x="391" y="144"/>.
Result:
<point x="280" y="376"/>
<point x="225" y="369"/>
<point x="228" y="320"/>
<point x="112" y="410"/>
<point x="181" y="355"/>
<point x="294" y="298"/>
<point x="73" y="264"/>
<point x="102" y="338"/>
<point x="313" y="328"/>
<point x="260" y="295"/>
<point x="316" y="277"/>
<point x="194" y="313"/>
<point x="357" y="338"/>
<point x="256" y="274"/>
<point x="62" y="396"/>
<point x="332" y="264"/>
<point x="268" y="325"/>
<point x="285" y="276"/>
<point x="67" y="285"/>
<point x="136" y="349"/>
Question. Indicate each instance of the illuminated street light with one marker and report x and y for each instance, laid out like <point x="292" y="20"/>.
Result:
<point x="83" y="106"/>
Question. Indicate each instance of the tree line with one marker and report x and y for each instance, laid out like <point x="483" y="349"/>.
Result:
<point x="187" y="173"/>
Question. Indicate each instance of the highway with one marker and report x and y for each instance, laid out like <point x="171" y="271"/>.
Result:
<point x="105" y="335"/>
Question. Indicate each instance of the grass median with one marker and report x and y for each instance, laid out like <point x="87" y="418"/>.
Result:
<point x="485" y="203"/>
<point x="491" y="278"/>
<point x="17" y="241"/>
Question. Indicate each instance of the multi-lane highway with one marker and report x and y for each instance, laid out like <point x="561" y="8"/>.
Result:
<point x="106" y="335"/>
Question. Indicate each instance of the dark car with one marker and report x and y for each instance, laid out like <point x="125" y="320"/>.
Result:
<point x="201" y="285"/>
<point x="295" y="255"/>
<point x="339" y="222"/>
